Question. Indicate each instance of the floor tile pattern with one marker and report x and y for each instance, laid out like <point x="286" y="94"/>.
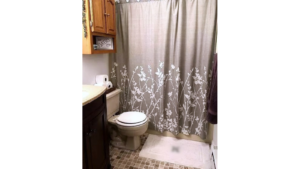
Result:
<point x="127" y="159"/>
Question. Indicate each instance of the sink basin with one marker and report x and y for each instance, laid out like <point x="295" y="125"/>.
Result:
<point x="84" y="94"/>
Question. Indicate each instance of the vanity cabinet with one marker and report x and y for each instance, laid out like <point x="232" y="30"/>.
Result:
<point x="99" y="20"/>
<point x="95" y="135"/>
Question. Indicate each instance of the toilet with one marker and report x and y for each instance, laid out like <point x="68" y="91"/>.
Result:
<point x="124" y="129"/>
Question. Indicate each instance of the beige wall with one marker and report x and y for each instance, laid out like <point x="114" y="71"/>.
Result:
<point x="93" y="65"/>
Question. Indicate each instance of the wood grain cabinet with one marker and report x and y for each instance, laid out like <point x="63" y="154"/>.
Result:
<point x="95" y="135"/>
<point x="110" y="17"/>
<point x="99" y="20"/>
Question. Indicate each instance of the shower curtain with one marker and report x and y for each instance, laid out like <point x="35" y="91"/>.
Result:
<point x="163" y="62"/>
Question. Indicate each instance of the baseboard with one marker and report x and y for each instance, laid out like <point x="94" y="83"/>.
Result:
<point x="179" y="136"/>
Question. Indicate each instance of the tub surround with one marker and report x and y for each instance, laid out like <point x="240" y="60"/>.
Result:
<point x="90" y="93"/>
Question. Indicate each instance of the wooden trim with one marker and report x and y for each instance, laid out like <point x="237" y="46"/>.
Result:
<point x="102" y="51"/>
<point x="102" y="34"/>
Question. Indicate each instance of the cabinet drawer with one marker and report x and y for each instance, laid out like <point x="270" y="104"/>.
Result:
<point x="90" y="108"/>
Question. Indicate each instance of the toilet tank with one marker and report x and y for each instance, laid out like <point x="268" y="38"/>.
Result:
<point x="113" y="102"/>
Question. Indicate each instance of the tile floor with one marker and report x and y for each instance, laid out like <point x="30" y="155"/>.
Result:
<point x="126" y="159"/>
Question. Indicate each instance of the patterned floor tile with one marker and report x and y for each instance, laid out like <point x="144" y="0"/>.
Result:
<point x="127" y="159"/>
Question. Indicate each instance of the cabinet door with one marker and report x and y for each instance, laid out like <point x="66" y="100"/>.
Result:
<point x="86" y="147"/>
<point x="110" y="16"/>
<point x="98" y="141"/>
<point x="84" y="163"/>
<point x="97" y="10"/>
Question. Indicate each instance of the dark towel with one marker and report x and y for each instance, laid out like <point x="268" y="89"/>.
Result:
<point x="213" y="95"/>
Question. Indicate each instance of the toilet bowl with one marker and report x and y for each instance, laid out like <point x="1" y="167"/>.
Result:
<point x="124" y="129"/>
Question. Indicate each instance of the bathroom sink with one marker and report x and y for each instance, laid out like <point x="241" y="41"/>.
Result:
<point x="84" y="94"/>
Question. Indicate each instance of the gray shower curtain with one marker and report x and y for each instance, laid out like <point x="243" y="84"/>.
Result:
<point x="163" y="61"/>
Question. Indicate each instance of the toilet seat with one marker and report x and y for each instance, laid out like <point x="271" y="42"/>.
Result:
<point x="131" y="119"/>
<point x="131" y="124"/>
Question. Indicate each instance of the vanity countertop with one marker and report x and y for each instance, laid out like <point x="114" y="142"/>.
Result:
<point x="90" y="93"/>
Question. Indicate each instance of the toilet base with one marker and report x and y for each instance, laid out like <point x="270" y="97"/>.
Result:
<point x="133" y="143"/>
<point x="130" y="143"/>
<point x="121" y="141"/>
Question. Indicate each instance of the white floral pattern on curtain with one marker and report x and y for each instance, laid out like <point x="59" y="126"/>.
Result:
<point x="187" y="97"/>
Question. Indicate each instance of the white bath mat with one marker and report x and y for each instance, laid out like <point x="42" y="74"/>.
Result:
<point x="178" y="151"/>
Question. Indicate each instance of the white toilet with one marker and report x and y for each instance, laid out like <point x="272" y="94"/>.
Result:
<point x="125" y="129"/>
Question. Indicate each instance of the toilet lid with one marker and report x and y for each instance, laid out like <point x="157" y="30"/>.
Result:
<point x="132" y="117"/>
<point x="131" y="124"/>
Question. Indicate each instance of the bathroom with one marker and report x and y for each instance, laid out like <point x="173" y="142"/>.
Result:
<point x="158" y="69"/>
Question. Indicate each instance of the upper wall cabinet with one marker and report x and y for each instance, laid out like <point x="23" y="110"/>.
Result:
<point x="99" y="27"/>
<point x="110" y="13"/>
<point x="98" y="16"/>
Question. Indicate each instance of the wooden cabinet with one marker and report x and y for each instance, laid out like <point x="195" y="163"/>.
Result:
<point x="98" y="21"/>
<point x="110" y="13"/>
<point x="95" y="135"/>
<point x="98" y="16"/>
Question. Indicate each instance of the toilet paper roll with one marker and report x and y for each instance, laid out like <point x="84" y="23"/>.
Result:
<point x="109" y="85"/>
<point x="101" y="79"/>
